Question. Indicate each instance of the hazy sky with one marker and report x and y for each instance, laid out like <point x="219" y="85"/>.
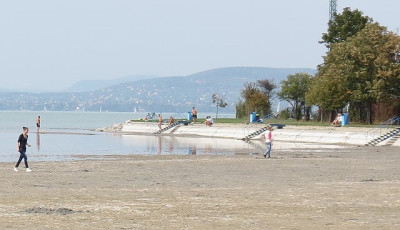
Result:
<point x="47" y="45"/>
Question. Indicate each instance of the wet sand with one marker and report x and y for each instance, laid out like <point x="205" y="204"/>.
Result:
<point x="353" y="188"/>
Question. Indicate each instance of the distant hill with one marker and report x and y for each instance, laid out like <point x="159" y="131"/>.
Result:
<point x="177" y="94"/>
<point x="163" y="94"/>
<point x="91" y="85"/>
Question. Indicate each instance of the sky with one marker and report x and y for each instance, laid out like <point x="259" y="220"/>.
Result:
<point x="48" y="45"/>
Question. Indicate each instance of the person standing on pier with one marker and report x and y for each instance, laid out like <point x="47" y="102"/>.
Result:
<point x="37" y="124"/>
<point x="159" y="121"/>
<point x="194" y="115"/>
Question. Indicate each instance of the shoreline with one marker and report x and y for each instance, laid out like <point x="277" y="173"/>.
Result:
<point x="308" y="134"/>
<point x="222" y="139"/>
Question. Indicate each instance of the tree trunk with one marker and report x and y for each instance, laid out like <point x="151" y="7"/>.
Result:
<point x="369" y="112"/>
<point x="321" y="111"/>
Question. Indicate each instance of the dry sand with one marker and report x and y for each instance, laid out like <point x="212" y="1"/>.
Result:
<point x="354" y="188"/>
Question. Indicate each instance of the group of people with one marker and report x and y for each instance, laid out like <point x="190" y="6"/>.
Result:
<point x="209" y="121"/>
<point x="160" y="121"/>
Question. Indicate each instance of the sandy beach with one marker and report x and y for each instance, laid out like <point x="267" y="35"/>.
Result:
<point x="350" y="188"/>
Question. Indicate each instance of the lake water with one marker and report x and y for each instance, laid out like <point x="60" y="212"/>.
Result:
<point x="69" y="135"/>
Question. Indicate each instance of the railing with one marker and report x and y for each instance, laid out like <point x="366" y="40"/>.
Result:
<point x="271" y="115"/>
<point x="180" y="116"/>
<point x="168" y="127"/>
<point x="249" y="129"/>
<point x="256" y="125"/>
<point x="377" y="131"/>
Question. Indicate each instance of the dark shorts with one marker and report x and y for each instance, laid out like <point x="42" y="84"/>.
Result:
<point x="38" y="125"/>
<point x="194" y="116"/>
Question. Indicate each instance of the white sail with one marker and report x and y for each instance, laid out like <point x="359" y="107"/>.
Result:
<point x="278" y="108"/>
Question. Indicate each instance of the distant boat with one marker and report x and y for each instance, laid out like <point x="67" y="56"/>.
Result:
<point x="44" y="108"/>
<point x="134" y="109"/>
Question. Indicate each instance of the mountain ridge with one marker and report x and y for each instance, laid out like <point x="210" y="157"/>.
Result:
<point x="160" y="94"/>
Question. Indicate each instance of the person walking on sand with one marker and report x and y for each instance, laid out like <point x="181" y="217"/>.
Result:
<point x="37" y="124"/>
<point x="21" y="147"/>
<point x="268" y="141"/>
<point x="194" y="115"/>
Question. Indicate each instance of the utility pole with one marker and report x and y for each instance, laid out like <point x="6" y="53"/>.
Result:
<point x="332" y="9"/>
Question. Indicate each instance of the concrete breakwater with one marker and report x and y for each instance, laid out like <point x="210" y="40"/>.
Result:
<point x="311" y="134"/>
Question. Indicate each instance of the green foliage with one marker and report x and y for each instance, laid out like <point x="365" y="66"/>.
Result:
<point x="362" y="70"/>
<point x="344" y="25"/>
<point x="329" y="89"/>
<point x="284" y="114"/>
<point x="293" y="90"/>
<point x="241" y="109"/>
<point x="256" y="97"/>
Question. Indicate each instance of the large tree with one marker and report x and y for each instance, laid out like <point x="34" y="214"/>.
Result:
<point x="257" y="97"/>
<point x="344" y="25"/>
<point x="388" y="67"/>
<point x="254" y="99"/>
<point x="293" y="90"/>
<point x="362" y="70"/>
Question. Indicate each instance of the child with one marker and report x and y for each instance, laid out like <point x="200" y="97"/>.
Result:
<point x="268" y="141"/>
<point x="21" y="147"/>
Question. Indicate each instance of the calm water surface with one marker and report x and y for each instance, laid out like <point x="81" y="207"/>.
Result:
<point x="68" y="135"/>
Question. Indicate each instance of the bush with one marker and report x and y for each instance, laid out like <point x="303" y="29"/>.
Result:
<point x="241" y="110"/>
<point x="284" y="114"/>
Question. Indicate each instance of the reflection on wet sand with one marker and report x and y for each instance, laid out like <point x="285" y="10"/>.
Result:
<point x="38" y="141"/>
<point x="186" y="145"/>
<point x="159" y="145"/>
<point x="200" y="145"/>
<point x="192" y="149"/>
<point x="99" y="144"/>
